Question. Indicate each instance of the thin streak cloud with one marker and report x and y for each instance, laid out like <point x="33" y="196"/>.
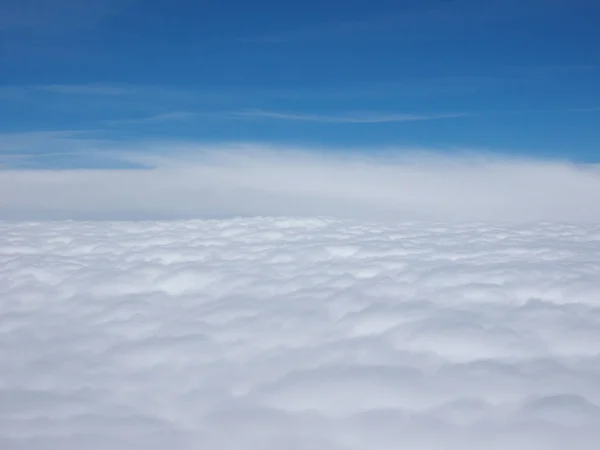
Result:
<point x="353" y="117"/>
<point x="86" y="89"/>
<point x="162" y="117"/>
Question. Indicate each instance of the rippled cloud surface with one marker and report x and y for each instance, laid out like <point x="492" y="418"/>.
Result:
<point x="299" y="334"/>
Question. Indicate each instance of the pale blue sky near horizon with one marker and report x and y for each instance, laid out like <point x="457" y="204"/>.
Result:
<point x="506" y="76"/>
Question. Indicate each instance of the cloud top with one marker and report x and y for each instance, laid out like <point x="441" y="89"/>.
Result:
<point x="195" y="181"/>
<point x="299" y="334"/>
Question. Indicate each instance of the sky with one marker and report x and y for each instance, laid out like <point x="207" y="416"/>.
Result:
<point x="506" y="77"/>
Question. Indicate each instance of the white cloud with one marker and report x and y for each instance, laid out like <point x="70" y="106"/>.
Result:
<point x="156" y="118"/>
<point x="36" y="148"/>
<point x="353" y="117"/>
<point x="299" y="333"/>
<point x="35" y="142"/>
<point x="195" y="181"/>
<point x="87" y="89"/>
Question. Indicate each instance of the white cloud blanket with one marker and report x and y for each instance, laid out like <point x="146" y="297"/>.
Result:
<point x="299" y="334"/>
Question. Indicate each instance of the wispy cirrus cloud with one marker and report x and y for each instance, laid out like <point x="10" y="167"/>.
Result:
<point x="347" y="117"/>
<point x="589" y="109"/>
<point x="410" y="87"/>
<point x="34" y="142"/>
<point x="161" y="117"/>
<point x="86" y="89"/>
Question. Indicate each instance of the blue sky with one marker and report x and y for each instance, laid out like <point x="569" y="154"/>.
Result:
<point x="497" y="75"/>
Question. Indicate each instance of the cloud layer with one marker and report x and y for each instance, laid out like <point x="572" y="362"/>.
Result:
<point x="194" y="181"/>
<point x="301" y="334"/>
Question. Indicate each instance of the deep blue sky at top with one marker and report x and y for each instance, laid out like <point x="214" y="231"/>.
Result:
<point x="520" y="76"/>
